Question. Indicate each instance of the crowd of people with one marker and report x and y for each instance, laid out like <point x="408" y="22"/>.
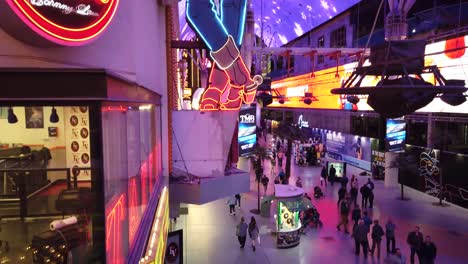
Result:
<point x="363" y="226"/>
<point x="366" y="232"/>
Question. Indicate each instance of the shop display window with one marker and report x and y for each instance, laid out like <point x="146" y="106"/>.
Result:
<point x="132" y="171"/>
<point x="47" y="193"/>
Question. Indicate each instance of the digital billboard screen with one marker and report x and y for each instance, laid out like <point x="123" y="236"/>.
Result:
<point x="247" y="136"/>
<point x="396" y="134"/>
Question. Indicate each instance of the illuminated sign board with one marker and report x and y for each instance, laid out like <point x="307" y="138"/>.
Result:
<point x="301" y="123"/>
<point x="247" y="136"/>
<point x="64" y="22"/>
<point x="396" y="134"/>
<point x="450" y="56"/>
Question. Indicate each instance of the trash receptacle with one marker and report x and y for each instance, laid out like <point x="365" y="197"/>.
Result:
<point x="265" y="204"/>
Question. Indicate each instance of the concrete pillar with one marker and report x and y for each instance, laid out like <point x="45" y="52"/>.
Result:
<point x="391" y="171"/>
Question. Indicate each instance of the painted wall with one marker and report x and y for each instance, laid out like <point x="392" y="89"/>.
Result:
<point x="133" y="46"/>
<point x="18" y="134"/>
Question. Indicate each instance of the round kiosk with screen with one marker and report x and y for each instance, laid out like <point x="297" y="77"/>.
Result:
<point x="288" y="223"/>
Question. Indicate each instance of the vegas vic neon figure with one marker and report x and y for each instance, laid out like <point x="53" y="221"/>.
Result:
<point x="229" y="83"/>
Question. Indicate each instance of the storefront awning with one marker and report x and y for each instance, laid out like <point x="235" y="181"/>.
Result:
<point x="24" y="84"/>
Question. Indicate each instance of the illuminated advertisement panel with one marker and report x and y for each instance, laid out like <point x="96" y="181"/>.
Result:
<point x="396" y="134"/>
<point x="247" y="136"/>
<point x="450" y="56"/>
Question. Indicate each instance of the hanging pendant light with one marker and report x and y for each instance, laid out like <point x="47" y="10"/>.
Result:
<point x="12" y="119"/>
<point x="54" y="118"/>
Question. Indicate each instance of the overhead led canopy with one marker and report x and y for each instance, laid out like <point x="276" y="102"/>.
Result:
<point x="63" y="22"/>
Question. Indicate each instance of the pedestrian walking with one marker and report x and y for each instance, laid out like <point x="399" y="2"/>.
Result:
<point x="371" y="198"/>
<point x="254" y="232"/>
<point x="377" y="233"/>
<point x="354" y="181"/>
<point x="396" y="258"/>
<point x="332" y="174"/>
<point x="360" y="238"/>
<point x="354" y="194"/>
<point x="390" y="236"/>
<point x="370" y="184"/>
<point x="344" y="181"/>
<point x="428" y="251"/>
<point x="241" y="232"/>
<point x="238" y="200"/>
<point x="356" y="215"/>
<point x="365" y="217"/>
<point x="232" y="205"/>
<point x="279" y="156"/>
<point x="265" y="182"/>
<point x="341" y="195"/>
<point x="415" y="241"/>
<point x="344" y="212"/>
<point x="365" y="195"/>
<point x="323" y="176"/>
<point x="273" y="167"/>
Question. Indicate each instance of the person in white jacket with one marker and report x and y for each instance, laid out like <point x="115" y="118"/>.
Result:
<point x="232" y="205"/>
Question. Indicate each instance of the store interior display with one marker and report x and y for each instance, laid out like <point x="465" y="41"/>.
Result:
<point x="39" y="155"/>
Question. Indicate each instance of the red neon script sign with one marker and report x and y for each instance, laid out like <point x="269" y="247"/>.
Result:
<point x="66" y="22"/>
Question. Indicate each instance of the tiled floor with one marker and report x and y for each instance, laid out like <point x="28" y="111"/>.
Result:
<point x="210" y="231"/>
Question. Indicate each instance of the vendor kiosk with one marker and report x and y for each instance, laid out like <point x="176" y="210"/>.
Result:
<point x="288" y="223"/>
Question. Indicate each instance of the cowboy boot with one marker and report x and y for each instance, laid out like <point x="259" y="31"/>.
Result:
<point x="217" y="83"/>
<point x="232" y="98"/>
<point x="228" y="59"/>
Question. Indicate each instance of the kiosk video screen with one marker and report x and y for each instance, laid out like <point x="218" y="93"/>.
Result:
<point x="339" y="167"/>
<point x="247" y="136"/>
<point x="396" y="134"/>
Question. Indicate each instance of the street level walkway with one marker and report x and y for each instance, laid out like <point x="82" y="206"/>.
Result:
<point x="209" y="230"/>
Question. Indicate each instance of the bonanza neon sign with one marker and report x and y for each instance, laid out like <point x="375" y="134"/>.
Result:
<point x="66" y="22"/>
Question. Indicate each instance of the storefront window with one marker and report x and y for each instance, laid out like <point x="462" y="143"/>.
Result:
<point x="47" y="195"/>
<point x="131" y="155"/>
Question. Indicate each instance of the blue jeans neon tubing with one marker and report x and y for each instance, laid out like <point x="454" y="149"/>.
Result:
<point x="222" y="33"/>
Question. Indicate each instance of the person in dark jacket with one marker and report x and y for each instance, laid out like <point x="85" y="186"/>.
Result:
<point x="365" y="195"/>
<point x="390" y="235"/>
<point x="356" y="215"/>
<point x="428" y="251"/>
<point x="354" y="194"/>
<point x="341" y="194"/>
<point x="371" y="198"/>
<point x="332" y="174"/>
<point x="242" y="232"/>
<point x="323" y="176"/>
<point x="377" y="233"/>
<point x="360" y="238"/>
<point x="265" y="182"/>
<point x="238" y="200"/>
<point x="415" y="241"/>
<point x="365" y="217"/>
<point x="344" y="181"/>
<point x="344" y="212"/>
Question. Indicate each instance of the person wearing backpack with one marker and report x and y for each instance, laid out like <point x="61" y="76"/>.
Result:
<point x="377" y="233"/>
<point x="344" y="212"/>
